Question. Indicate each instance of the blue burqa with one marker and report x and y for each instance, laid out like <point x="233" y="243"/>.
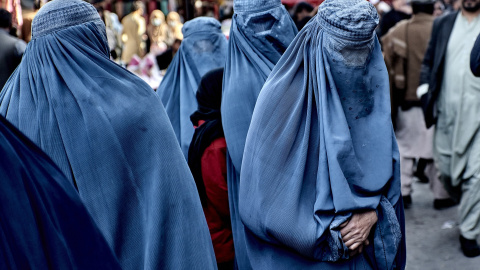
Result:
<point x="203" y="48"/>
<point x="261" y="32"/>
<point x="321" y="147"/>
<point x="108" y="132"/>
<point x="43" y="223"/>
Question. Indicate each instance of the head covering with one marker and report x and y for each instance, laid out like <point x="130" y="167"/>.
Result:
<point x="209" y="97"/>
<point x="203" y="49"/>
<point x="43" y="223"/>
<point x="261" y="31"/>
<point x="174" y="29"/>
<point x="108" y="132"/>
<point x="321" y="146"/>
<point x="157" y="29"/>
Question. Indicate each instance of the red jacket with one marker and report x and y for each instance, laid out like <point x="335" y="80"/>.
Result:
<point x="214" y="173"/>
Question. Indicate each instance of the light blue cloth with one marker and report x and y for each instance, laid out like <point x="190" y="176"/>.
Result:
<point x="108" y="132"/>
<point x="261" y="31"/>
<point x="203" y="48"/>
<point x="320" y="147"/>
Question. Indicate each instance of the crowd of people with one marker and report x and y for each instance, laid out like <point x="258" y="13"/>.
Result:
<point x="258" y="139"/>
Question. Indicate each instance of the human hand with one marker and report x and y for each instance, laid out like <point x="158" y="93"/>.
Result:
<point x="355" y="231"/>
<point x="359" y="249"/>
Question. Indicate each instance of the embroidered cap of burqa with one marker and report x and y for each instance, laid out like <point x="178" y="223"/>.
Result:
<point x="108" y="132"/>
<point x="261" y="32"/>
<point x="203" y="48"/>
<point x="321" y="146"/>
<point x="43" y="223"/>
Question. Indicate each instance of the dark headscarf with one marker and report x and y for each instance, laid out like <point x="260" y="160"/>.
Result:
<point x="209" y="97"/>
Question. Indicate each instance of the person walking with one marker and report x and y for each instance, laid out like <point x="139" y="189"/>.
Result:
<point x="404" y="47"/>
<point x="450" y="95"/>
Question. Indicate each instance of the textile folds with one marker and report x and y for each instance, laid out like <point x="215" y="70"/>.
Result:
<point x="321" y="147"/>
<point x="261" y="32"/>
<point x="108" y="132"/>
<point x="203" y="48"/>
<point x="43" y="223"/>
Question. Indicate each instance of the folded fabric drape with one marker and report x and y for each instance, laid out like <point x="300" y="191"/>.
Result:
<point x="203" y="48"/>
<point x="321" y="147"/>
<point x="108" y="132"/>
<point x="43" y="222"/>
<point x="261" y="32"/>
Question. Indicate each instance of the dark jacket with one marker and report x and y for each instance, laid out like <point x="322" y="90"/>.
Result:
<point x="11" y="51"/>
<point x="433" y="65"/>
<point x="475" y="58"/>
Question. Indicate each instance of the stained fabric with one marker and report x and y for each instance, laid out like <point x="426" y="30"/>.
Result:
<point x="321" y="147"/>
<point x="208" y="121"/>
<point x="203" y="48"/>
<point x="43" y="223"/>
<point x="108" y="132"/>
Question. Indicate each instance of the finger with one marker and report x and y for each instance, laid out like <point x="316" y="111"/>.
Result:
<point x="355" y="246"/>
<point x="360" y="249"/>
<point x="345" y="230"/>
<point x="366" y="243"/>
<point x="355" y="252"/>
<point x="351" y="236"/>
<point x="344" y="224"/>
<point x="350" y="242"/>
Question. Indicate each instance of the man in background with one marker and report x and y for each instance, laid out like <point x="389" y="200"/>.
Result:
<point x="404" y="47"/>
<point x="451" y="100"/>
<point x="11" y="48"/>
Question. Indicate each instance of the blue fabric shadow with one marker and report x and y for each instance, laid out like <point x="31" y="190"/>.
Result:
<point x="43" y="223"/>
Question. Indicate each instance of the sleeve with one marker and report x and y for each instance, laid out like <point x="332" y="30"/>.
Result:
<point x="427" y="63"/>
<point x="475" y="58"/>
<point x="20" y="47"/>
<point x="388" y="55"/>
<point x="214" y="173"/>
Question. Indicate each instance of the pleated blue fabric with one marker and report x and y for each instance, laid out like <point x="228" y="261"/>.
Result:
<point x="261" y="32"/>
<point x="203" y="48"/>
<point x="110" y="135"/>
<point x="321" y="147"/>
<point x="43" y="222"/>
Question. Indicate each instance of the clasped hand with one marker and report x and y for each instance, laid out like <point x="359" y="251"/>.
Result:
<point x="355" y="231"/>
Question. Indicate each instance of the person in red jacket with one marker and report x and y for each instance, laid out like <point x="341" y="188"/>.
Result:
<point x="207" y="161"/>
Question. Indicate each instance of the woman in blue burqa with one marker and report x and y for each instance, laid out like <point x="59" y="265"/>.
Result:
<point x="109" y="134"/>
<point x="43" y="222"/>
<point x="203" y="48"/>
<point x="320" y="181"/>
<point x="261" y="32"/>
